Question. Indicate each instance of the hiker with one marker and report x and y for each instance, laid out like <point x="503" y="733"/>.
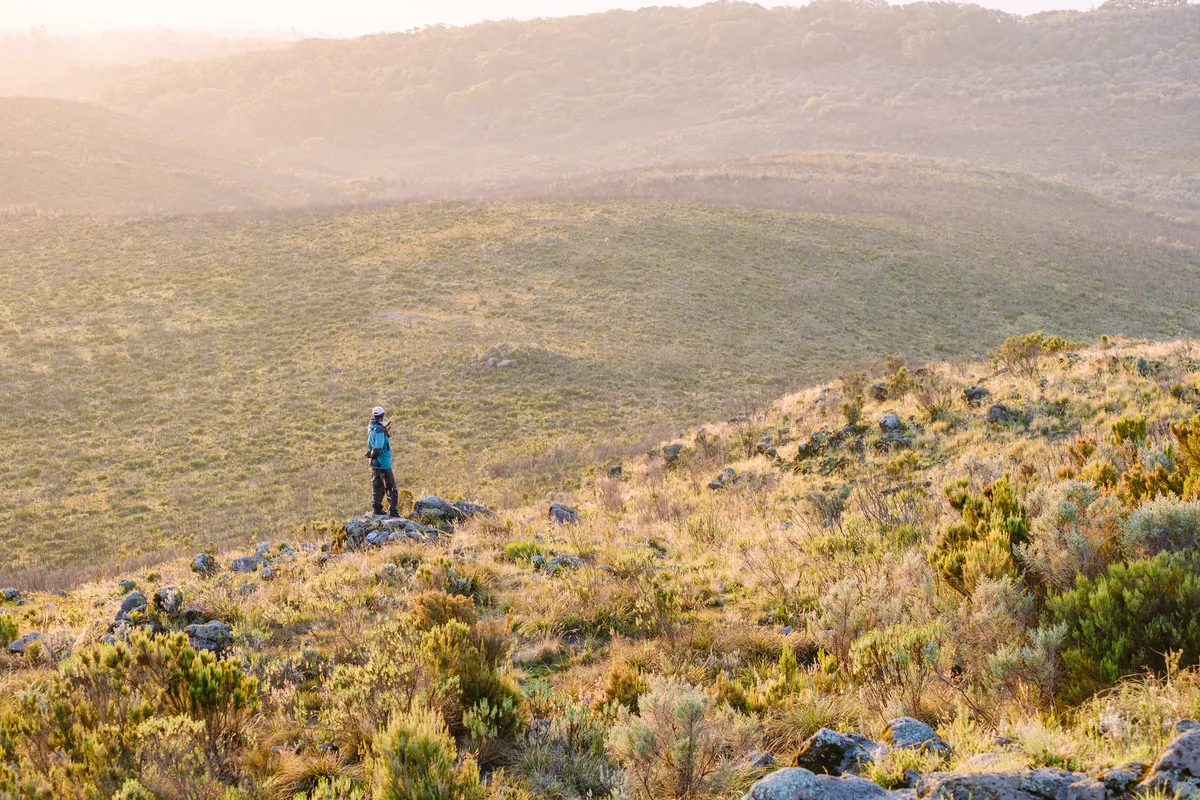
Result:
<point x="379" y="450"/>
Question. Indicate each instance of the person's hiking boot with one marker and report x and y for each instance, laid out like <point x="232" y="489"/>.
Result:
<point x="378" y="512"/>
<point x="394" y="514"/>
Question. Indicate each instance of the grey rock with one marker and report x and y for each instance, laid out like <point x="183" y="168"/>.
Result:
<point x="760" y="760"/>
<point x="828" y="752"/>
<point x="108" y="638"/>
<point x="204" y="564"/>
<point x="247" y="588"/>
<point x="1037" y="784"/>
<point x="1001" y="414"/>
<point x="563" y="515"/>
<point x="10" y="595"/>
<point x="889" y="423"/>
<point x="134" y="601"/>
<point x="906" y="733"/>
<point x="126" y="586"/>
<point x="214" y="636"/>
<point x="1176" y="771"/>
<point x="468" y="509"/>
<point x="268" y="574"/>
<point x="563" y="562"/>
<point x="505" y="363"/>
<point x="436" y="511"/>
<point x="168" y="600"/>
<point x="1185" y="725"/>
<point x="878" y="392"/>
<point x="727" y="477"/>
<point x="192" y="615"/>
<point x="797" y="783"/>
<point x="247" y="564"/>
<point x="616" y="471"/>
<point x="975" y="395"/>
<point x="287" y="552"/>
<point x="263" y="549"/>
<point x="1111" y="784"/>
<point x="671" y="453"/>
<point x="19" y="646"/>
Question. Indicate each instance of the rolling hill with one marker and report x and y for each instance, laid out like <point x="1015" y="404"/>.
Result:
<point x="58" y="155"/>
<point x="1102" y="99"/>
<point x="205" y="377"/>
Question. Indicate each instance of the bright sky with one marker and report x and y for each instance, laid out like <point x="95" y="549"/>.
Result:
<point x="332" y="17"/>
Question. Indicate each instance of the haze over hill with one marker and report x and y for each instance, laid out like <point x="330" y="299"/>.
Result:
<point x="59" y="155"/>
<point x="1105" y="99"/>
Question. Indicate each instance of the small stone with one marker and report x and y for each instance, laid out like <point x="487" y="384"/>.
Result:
<point x="247" y="588"/>
<point x="204" y="564"/>
<point x="263" y="549"/>
<point x="214" y="636"/>
<point x="19" y="646"/>
<point x="671" y="453"/>
<point x="760" y="760"/>
<point x="268" y="574"/>
<point x="247" y="564"/>
<point x="889" y="423"/>
<point x="975" y="395"/>
<point x="563" y="515"/>
<point x="505" y="363"/>
<point x="563" y="562"/>
<point x="878" y="392"/>
<point x="10" y="595"/>
<point x="126" y="586"/>
<point x="134" y="601"/>
<point x="616" y="471"/>
<point x="168" y="600"/>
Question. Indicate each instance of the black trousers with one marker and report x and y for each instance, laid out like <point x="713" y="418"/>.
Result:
<point x="384" y="482"/>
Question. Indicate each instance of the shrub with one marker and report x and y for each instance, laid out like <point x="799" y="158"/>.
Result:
<point x="1127" y="620"/>
<point x="679" y="745"/>
<point x="434" y="608"/>
<point x="1023" y="353"/>
<point x="415" y="760"/>
<point x="1164" y="524"/>
<point x="566" y="757"/>
<point x="1187" y="440"/>
<point x="467" y="686"/>
<point x="1078" y="532"/>
<point x="994" y="524"/>
<point x="1129" y="430"/>
<point x="8" y="630"/>
<point x="1140" y="483"/>
<point x="896" y="662"/>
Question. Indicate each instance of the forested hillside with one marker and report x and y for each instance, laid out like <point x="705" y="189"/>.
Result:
<point x="1106" y="99"/>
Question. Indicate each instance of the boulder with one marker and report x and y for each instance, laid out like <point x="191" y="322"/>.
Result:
<point x="263" y="549"/>
<point x="468" y="509"/>
<point x="436" y="512"/>
<point x="1001" y="414"/>
<point x="727" y="477"/>
<point x="19" y="646"/>
<point x="10" y="595"/>
<point x="563" y="562"/>
<point x="889" y="423"/>
<point x="878" y="392"/>
<point x="975" y="395"/>
<point x="671" y="453"/>
<point x="760" y="760"/>
<point x="1184" y="725"/>
<point x="797" y="783"/>
<point x="134" y="601"/>
<point x="906" y="733"/>
<point x="563" y="515"/>
<point x="1036" y="784"/>
<point x="268" y="574"/>
<point x="247" y="564"/>
<point x="1111" y="784"/>
<point x="214" y="636"/>
<point x="1176" y="771"/>
<point x="168" y="600"/>
<point x="126" y="586"/>
<point x="204" y="564"/>
<point x="828" y="752"/>
<point x="616" y="471"/>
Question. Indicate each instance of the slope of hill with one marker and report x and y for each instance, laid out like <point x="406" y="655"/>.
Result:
<point x="1104" y="98"/>
<point x="208" y="376"/>
<point x="736" y="597"/>
<point x="60" y="155"/>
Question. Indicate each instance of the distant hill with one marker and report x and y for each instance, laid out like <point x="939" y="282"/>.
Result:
<point x="60" y="155"/>
<point x="1103" y="99"/>
<point x="214" y="370"/>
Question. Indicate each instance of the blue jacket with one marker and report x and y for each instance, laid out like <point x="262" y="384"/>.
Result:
<point x="377" y="439"/>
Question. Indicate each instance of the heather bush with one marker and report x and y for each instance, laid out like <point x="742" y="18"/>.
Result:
<point x="897" y="663"/>
<point x="1164" y="524"/>
<point x="994" y="524"/>
<point x="1077" y="532"/>
<point x="415" y="759"/>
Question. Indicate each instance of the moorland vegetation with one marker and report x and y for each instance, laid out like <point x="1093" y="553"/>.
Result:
<point x="211" y="373"/>
<point x="1002" y="549"/>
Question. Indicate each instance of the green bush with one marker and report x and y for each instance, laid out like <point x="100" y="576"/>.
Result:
<point x="465" y="681"/>
<point x="1129" y="430"/>
<point x="8" y="630"/>
<point x="994" y="524"/>
<point x="523" y="552"/>
<point x="415" y="760"/>
<point x="897" y="662"/>
<point x="1127" y="620"/>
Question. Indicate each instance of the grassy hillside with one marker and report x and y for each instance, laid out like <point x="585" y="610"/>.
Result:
<point x="1020" y="573"/>
<point x="190" y="381"/>
<point x="68" y="156"/>
<point x="1104" y="98"/>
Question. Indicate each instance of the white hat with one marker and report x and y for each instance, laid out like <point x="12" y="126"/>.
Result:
<point x="377" y="411"/>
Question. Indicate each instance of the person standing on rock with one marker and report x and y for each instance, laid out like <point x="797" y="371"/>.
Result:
<point x="379" y="450"/>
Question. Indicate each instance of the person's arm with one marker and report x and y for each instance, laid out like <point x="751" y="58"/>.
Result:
<point x="375" y="444"/>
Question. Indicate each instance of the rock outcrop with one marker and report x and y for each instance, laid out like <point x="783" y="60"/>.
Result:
<point x="828" y="752"/>
<point x="215" y="636"/>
